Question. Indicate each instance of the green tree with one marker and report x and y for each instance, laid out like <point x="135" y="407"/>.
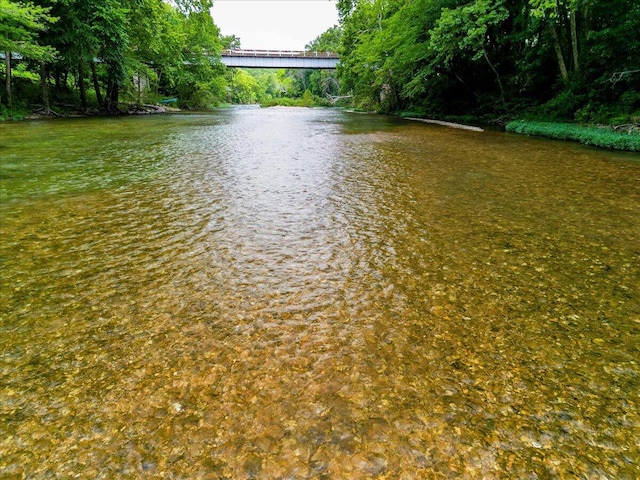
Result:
<point x="201" y="82"/>
<point x="230" y="42"/>
<point x="464" y="31"/>
<point x="174" y="44"/>
<point x="245" y="88"/>
<point x="327" y="41"/>
<point x="360" y="54"/>
<point x="324" y="83"/>
<point x="551" y="14"/>
<point x="91" y="29"/>
<point x="19" y="27"/>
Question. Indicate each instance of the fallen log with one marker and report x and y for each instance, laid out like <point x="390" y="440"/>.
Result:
<point x="447" y="124"/>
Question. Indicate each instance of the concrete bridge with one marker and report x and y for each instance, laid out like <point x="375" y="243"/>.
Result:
<point x="280" y="59"/>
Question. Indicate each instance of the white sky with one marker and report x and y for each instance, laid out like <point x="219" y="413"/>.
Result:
<point x="274" y="24"/>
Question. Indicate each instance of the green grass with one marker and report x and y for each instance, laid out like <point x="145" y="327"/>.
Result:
<point x="602" y="137"/>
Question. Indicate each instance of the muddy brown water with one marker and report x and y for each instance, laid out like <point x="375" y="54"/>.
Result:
<point x="297" y="293"/>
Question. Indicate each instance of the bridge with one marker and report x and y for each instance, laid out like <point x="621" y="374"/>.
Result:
<point x="279" y="59"/>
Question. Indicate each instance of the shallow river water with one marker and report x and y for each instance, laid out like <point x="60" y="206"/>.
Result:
<point x="298" y="293"/>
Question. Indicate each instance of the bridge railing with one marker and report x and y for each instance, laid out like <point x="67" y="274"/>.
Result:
<point x="279" y="53"/>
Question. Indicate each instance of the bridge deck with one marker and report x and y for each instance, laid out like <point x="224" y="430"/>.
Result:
<point x="278" y="54"/>
<point x="279" y="59"/>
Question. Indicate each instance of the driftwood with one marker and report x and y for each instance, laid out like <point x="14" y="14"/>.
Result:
<point x="627" y="127"/>
<point x="447" y="124"/>
<point x="333" y="99"/>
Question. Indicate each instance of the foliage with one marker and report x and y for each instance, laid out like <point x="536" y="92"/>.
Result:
<point x="307" y="100"/>
<point x="16" y="112"/>
<point x="244" y="87"/>
<point x="137" y="51"/>
<point x="594" y="136"/>
<point x="560" y="59"/>
<point x="323" y="83"/>
<point x="19" y="27"/>
<point x="108" y="49"/>
<point x="328" y="41"/>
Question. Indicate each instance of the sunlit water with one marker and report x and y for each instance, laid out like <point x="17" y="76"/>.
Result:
<point x="295" y="293"/>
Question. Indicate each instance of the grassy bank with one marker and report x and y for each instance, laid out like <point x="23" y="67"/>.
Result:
<point x="602" y="137"/>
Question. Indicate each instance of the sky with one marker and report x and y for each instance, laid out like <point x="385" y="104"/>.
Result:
<point x="274" y="24"/>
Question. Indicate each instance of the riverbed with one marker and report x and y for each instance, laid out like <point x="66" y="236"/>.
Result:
<point x="309" y="293"/>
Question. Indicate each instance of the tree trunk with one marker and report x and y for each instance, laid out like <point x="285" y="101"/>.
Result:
<point x="556" y="46"/>
<point x="107" y="97"/>
<point x="111" y="98"/>
<point x="83" y="92"/>
<point x="574" y="39"/>
<point x="96" y="84"/>
<point x="58" y="82"/>
<point x="44" y="85"/>
<point x="7" y="62"/>
<point x="486" y="57"/>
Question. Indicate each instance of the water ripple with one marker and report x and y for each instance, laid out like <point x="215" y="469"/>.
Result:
<point x="264" y="293"/>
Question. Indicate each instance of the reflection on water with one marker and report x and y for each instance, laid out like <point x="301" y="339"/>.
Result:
<point x="313" y="294"/>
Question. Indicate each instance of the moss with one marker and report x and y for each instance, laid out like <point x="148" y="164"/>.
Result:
<point x="602" y="137"/>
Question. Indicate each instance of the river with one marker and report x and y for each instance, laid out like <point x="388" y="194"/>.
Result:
<point x="309" y="293"/>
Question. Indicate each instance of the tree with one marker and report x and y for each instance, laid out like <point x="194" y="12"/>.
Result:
<point x="200" y="83"/>
<point x="458" y="56"/>
<point x="157" y="40"/>
<point x="245" y="89"/>
<point x="465" y="31"/>
<point x="175" y="44"/>
<point x="19" y="27"/>
<point x="549" y="12"/>
<point x="323" y="83"/>
<point x="327" y="41"/>
<point x="230" y="42"/>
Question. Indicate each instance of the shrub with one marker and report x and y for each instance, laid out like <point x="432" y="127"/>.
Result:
<point x="18" y="112"/>
<point x="307" y="100"/>
<point x="562" y="107"/>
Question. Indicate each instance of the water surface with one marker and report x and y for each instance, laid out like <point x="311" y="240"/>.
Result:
<point x="297" y="293"/>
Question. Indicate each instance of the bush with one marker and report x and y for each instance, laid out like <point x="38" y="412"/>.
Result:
<point x="594" y="136"/>
<point x="307" y="100"/>
<point x="562" y="107"/>
<point x="18" y="112"/>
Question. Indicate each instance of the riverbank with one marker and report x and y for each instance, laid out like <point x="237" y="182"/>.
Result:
<point x="67" y="111"/>
<point x="611" y="137"/>
<point x="625" y="137"/>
